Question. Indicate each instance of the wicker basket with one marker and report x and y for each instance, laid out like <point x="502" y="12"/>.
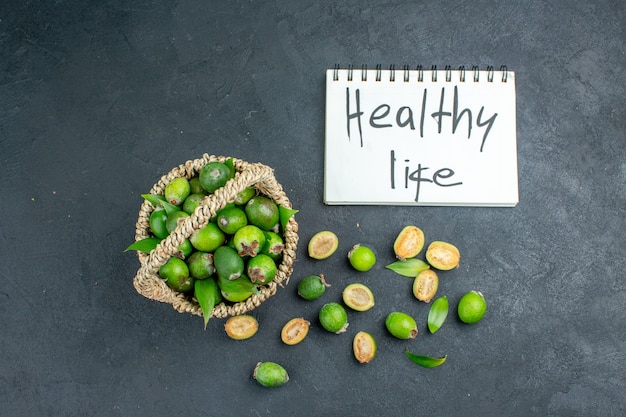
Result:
<point x="147" y="281"/>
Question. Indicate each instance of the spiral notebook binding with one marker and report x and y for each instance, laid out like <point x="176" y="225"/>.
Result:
<point x="408" y="73"/>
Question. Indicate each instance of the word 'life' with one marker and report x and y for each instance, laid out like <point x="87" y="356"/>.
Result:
<point x="442" y="177"/>
<point x="381" y="117"/>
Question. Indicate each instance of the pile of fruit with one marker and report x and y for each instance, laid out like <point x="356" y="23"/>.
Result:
<point x="237" y="251"/>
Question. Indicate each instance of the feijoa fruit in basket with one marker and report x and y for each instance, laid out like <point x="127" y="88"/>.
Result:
<point x="270" y="374"/>
<point x="249" y="240"/>
<point x="201" y="265"/>
<point x="208" y="239"/>
<point x="231" y="219"/>
<point x="401" y="325"/>
<point x="409" y="242"/>
<point x="176" y="275"/>
<point x="274" y="245"/>
<point x="261" y="269"/>
<point x="443" y="255"/>
<point x="262" y="212"/>
<point x="176" y="191"/>
<point x="158" y="220"/>
<point x="312" y="287"/>
<point x="333" y="317"/>
<point x="323" y="244"/>
<point x="245" y="195"/>
<point x="228" y="264"/>
<point x="358" y="297"/>
<point x="173" y="219"/>
<point x="214" y="175"/>
<point x="192" y="202"/>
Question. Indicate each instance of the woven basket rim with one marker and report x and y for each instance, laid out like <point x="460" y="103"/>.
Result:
<point x="147" y="282"/>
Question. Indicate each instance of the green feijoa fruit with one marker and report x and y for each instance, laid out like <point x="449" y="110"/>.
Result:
<point x="361" y="257"/>
<point x="176" y="191"/>
<point x="312" y="287"/>
<point x="236" y="290"/>
<point x="244" y="196"/>
<point x="262" y="212"/>
<point x="270" y="374"/>
<point x="333" y="317"/>
<point x="231" y="219"/>
<point x="158" y="220"/>
<point x="173" y="219"/>
<point x="195" y="186"/>
<point x="201" y="265"/>
<point x="192" y="202"/>
<point x="249" y="240"/>
<point x="228" y="264"/>
<point x="261" y="269"/>
<point x="274" y="245"/>
<point x="214" y="175"/>
<point x="208" y="239"/>
<point x="472" y="307"/>
<point x="176" y="275"/>
<point x="185" y="248"/>
<point x="236" y="297"/>
<point x="401" y="325"/>
<point x="437" y="313"/>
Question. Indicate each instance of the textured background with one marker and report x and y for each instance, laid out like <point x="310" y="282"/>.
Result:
<point x="99" y="99"/>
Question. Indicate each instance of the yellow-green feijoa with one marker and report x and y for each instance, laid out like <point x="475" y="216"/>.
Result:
<point x="472" y="307"/>
<point x="173" y="219"/>
<point x="333" y="317"/>
<point x="176" y="275"/>
<point x="231" y="219"/>
<point x="192" y="202"/>
<point x="312" y="287"/>
<point x="261" y="269"/>
<point x="361" y="257"/>
<point x="208" y="239"/>
<point x="249" y="240"/>
<point x="262" y="212"/>
<point x="244" y="196"/>
<point x="401" y="325"/>
<point x="274" y="245"/>
<point x="176" y="191"/>
<point x="270" y="374"/>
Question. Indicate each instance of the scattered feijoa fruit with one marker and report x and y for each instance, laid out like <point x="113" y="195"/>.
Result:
<point x="409" y="242"/>
<point x="358" y="297"/>
<point x="323" y="244"/>
<point x="294" y="331"/>
<point x="270" y="374"/>
<point x="241" y="327"/>
<point x="312" y="287"/>
<point x="333" y="317"/>
<point x="425" y="285"/>
<point x="443" y="255"/>
<point x="361" y="257"/>
<point x="364" y="347"/>
<point x="472" y="307"/>
<point x="401" y="325"/>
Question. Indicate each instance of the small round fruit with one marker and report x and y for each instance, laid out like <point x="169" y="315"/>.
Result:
<point x="358" y="297"/>
<point x="401" y="325"/>
<point x="201" y="265"/>
<point x="294" y="331"/>
<point x="228" y="264"/>
<point x="241" y="327"/>
<point x="333" y="317"/>
<point x="312" y="287"/>
<point x="270" y="374"/>
<point x="173" y="219"/>
<point x="249" y="240"/>
<point x="261" y="269"/>
<point x="214" y="175"/>
<point x="207" y="239"/>
<point x="196" y="187"/>
<point x="364" y="347"/>
<point x="323" y="244"/>
<point x="176" y="191"/>
<point x="274" y="245"/>
<point x="192" y="202"/>
<point x="425" y="285"/>
<point x="176" y="275"/>
<point x="408" y="243"/>
<point x="185" y="248"/>
<point x="262" y="212"/>
<point x="361" y="257"/>
<point x="231" y="219"/>
<point x="236" y="297"/>
<point x="158" y="221"/>
<point x="245" y="195"/>
<point x="472" y="307"/>
<point x="443" y="255"/>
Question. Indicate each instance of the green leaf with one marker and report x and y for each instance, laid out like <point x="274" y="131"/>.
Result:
<point x="425" y="361"/>
<point x="285" y="214"/>
<point x="437" y="313"/>
<point x="154" y="199"/>
<point x="169" y="207"/>
<point x="208" y="295"/>
<point x="144" y="245"/>
<point x="408" y="268"/>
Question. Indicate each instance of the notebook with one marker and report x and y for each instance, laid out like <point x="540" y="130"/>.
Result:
<point x="413" y="136"/>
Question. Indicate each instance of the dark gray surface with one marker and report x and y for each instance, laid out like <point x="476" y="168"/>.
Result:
<point x="98" y="99"/>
